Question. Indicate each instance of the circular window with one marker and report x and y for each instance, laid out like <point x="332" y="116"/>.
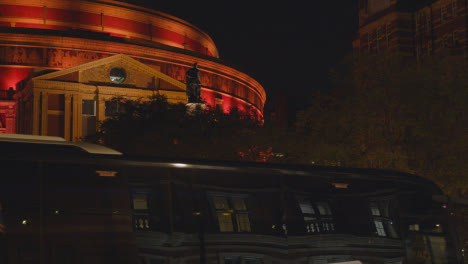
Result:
<point x="117" y="75"/>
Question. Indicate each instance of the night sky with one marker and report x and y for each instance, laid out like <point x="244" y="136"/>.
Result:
<point x="287" y="46"/>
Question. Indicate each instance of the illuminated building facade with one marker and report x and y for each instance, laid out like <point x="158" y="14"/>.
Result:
<point x="69" y="103"/>
<point x="411" y="28"/>
<point x="41" y="36"/>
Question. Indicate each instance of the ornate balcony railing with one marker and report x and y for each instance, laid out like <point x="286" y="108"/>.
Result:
<point x="141" y="222"/>
<point x="6" y="95"/>
<point x="320" y="227"/>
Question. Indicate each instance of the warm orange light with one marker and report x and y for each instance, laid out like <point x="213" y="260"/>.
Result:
<point x="340" y="185"/>
<point x="106" y="173"/>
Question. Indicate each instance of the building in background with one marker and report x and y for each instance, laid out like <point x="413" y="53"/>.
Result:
<point x="38" y="36"/>
<point x="411" y="28"/>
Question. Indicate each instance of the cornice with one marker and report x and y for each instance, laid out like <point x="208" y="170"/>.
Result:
<point x="55" y="85"/>
<point x="119" y="57"/>
<point x="390" y="17"/>
<point x="125" y="11"/>
<point x="233" y="96"/>
<point x="51" y="86"/>
<point x="95" y="28"/>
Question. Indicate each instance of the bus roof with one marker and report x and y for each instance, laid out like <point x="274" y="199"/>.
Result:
<point x="46" y="140"/>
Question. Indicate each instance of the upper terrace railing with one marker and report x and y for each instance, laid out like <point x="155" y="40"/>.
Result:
<point x="7" y="94"/>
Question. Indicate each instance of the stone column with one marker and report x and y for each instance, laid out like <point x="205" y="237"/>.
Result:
<point x="67" y="117"/>
<point x="44" y="113"/>
<point x="36" y="112"/>
<point x="101" y="109"/>
<point x="76" y="121"/>
<point x="20" y="116"/>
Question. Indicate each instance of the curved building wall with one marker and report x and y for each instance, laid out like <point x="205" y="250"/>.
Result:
<point x="48" y="34"/>
<point x="116" y="18"/>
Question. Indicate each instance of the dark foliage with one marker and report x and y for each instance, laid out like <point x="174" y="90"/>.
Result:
<point x="159" y="128"/>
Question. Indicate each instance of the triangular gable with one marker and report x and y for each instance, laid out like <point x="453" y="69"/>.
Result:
<point x="70" y="77"/>
<point x="64" y="75"/>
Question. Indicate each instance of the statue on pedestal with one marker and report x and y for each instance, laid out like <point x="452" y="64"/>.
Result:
<point x="10" y="93"/>
<point x="192" y="80"/>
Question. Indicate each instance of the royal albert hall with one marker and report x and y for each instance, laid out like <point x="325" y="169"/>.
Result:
<point x="57" y="59"/>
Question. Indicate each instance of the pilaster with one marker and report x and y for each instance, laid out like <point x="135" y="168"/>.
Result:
<point x="36" y="112"/>
<point x="67" y="117"/>
<point x="44" y="112"/>
<point x="77" y="120"/>
<point x="101" y="109"/>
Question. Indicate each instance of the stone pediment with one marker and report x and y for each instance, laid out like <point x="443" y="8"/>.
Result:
<point x="116" y="71"/>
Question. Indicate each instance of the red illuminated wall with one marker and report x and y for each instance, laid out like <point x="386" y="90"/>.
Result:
<point x="228" y="101"/>
<point x="116" y="18"/>
<point x="10" y="76"/>
<point x="21" y="51"/>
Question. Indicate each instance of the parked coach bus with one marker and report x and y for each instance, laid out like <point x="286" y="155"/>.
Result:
<point x="69" y="203"/>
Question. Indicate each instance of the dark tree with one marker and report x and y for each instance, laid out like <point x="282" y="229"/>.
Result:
<point x="158" y="128"/>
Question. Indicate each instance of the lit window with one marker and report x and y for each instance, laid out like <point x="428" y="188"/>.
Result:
<point x="140" y="202"/>
<point x="307" y="208"/>
<point x="117" y="75"/>
<point x="324" y="209"/>
<point x="231" y="213"/>
<point x="238" y="204"/>
<point x="220" y="203"/>
<point x="375" y="210"/>
<point x="243" y="223"/>
<point x="317" y="216"/>
<point x="382" y="222"/>
<point x="141" y="212"/>
<point x="225" y="222"/>
<point x="380" y="228"/>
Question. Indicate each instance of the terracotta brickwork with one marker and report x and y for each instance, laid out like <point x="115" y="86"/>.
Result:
<point x="110" y="17"/>
<point x="133" y="76"/>
<point x="418" y="30"/>
<point x="214" y="76"/>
